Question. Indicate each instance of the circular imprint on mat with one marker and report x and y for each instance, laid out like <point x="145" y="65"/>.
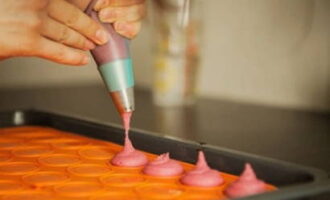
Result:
<point x="97" y="153"/>
<point x="10" y="143"/>
<point x="200" y="196"/>
<point x="115" y="196"/>
<point x="78" y="189"/>
<point x="45" y="178"/>
<point x="53" y="140"/>
<point x="17" y="168"/>
<point x="59" y="160"/>
<point x="37" y="135"/>
<point x="89" y="170"/>
<point x="32" y="151"/>
<point x="159" y="191"/>
<point x="8" y="186"/>
<point x="29" y="195"/>
<point x="42" y="139"/>
<point x="124" y="170"/>
<point x="122" y="180"/>
<point x="4" y="157"/>
<point x="5" y="151"/>
<point x="70" y="144"/>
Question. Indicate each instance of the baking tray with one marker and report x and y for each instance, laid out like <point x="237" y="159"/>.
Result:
<point x="294" y="181"/>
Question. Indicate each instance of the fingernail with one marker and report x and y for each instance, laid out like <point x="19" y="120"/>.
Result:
<point x="107" y="16"/>
<point x="89" y="45"/>
<point x="102" y="36"/>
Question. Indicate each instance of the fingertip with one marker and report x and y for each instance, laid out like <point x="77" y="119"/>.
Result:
<point x="101" y="36"/>
<point x="129" y="30"/>
<point x="108" y="15"/>
<point x="100" y="4"/>
<point x="79" y="63"/>
<point x="78" y="58"/>
<point x="85" y="60"/>
<point x="89" y="45"/>
<point x="122" y="29"/>
<point x="129" y="35"/>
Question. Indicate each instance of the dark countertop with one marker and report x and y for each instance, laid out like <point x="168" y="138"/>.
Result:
<point x="296" y="136"/>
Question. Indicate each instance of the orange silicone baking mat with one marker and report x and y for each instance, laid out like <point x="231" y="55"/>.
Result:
<point x="42" y="163"/>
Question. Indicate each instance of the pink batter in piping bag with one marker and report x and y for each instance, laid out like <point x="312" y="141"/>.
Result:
<point x="115" y="66"/>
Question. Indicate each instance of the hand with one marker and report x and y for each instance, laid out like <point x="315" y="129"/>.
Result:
<point x="52" y="29"/>
<point x="125" y="14"/>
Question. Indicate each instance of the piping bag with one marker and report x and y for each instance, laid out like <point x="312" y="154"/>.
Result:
<point x="115" y="66"/>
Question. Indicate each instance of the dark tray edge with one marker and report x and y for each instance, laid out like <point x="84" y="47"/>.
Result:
<point x="320" y="183"/>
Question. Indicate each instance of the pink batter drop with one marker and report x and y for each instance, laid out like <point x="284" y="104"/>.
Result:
<point x="247" y="184"/>
<point x="128" y="157"/>
<point x="126" y="117"/>
<point x="202" y="175"/>
<point x="163" y="166"/>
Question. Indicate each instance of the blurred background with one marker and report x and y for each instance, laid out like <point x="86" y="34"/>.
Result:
<point x="274" y="52"/>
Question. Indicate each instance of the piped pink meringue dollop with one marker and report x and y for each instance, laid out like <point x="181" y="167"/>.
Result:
<point x="202" y="175"/>
<point x="246" y="184"/>
<point x="129" y="157"/>
<point x="163" y="166"/>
